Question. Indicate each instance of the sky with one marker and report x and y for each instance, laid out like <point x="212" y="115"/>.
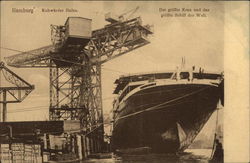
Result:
<point x="199" y="40"/>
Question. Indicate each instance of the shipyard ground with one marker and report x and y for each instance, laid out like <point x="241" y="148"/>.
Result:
<point x="190" y="156"/>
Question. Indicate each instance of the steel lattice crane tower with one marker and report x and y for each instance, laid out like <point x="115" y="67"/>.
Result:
<point x="74" y="64"/>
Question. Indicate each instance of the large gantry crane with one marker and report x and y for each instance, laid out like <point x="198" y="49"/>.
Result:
<point x="74" y="61"/>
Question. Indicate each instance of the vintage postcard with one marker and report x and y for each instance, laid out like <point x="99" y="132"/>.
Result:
<point x="124" y="81"/>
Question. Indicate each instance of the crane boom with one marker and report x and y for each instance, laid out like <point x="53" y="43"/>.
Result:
<point x="34" y="58"/>
<point x="117" y="39"/>
<point x="106" y="43"/>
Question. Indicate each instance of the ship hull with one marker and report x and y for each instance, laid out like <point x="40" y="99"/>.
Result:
<point x="164" y="118"/>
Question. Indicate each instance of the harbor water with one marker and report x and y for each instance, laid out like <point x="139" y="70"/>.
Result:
<point x="189" y="156"/>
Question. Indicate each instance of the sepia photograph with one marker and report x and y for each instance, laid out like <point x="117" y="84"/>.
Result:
<point x="124" y="81"/>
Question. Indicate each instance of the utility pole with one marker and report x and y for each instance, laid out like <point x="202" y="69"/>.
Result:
<point x="0" y="100"/>
<point x="4" y="105"/>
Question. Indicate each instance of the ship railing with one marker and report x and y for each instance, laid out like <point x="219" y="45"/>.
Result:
<point x="183" y="75"/>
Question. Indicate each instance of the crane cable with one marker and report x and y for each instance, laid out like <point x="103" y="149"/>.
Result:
<point x="164" y="104"/>
<point x="58" y="59"/>
<point x="44" y="107"/>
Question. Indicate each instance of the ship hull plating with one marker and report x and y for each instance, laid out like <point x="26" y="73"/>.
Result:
<point x="164" y="118"/>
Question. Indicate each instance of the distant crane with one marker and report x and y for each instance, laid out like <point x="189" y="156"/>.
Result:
<point x="130" y="12"/>
<point x="15" y="92"/>
<point x="75" y="60"/>
<point x="112" y="18"/>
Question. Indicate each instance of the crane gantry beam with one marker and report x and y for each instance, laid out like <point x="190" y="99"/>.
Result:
<point x="105" y="44"/>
